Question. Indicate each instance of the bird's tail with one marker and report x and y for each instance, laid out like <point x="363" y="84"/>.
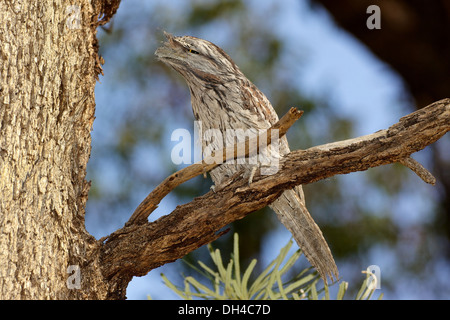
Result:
<point x="292" y="212"/>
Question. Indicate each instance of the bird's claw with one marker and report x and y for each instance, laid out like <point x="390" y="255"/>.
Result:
<point x="251" y="175"/>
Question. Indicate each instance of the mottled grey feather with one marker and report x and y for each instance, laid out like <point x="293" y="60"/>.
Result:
<point x="223" y="98"/>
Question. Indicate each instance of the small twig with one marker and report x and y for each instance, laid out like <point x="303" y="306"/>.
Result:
<point x="251" y="146"/>
<point x="418" y="169"/>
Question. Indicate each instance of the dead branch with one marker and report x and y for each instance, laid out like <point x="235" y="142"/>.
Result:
<point x="418" y="169"/>
<point x="152" y="201"/>
<point x="137" y="249"/>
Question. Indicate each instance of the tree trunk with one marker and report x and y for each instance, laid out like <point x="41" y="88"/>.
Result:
<point x="49" y="66"/>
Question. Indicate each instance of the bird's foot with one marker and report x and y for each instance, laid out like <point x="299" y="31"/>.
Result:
<point x="250" y="174"/>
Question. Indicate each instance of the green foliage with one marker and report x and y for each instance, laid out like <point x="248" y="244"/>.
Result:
<point x="228" y="283"/>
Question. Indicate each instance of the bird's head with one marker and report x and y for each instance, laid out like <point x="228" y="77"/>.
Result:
<point x="197" y="60"/>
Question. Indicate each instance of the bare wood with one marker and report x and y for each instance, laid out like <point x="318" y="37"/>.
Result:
<point x="49" y="66"/>
<point x="152" y="201"/>
<point x="137" y="249"/>
<point x="418" y="169"/>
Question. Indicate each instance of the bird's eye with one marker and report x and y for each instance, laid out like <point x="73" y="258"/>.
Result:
<point x="193" y="51"/>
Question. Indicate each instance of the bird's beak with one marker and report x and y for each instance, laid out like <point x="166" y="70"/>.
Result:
<point x="169" y="48"/>
<point x="168" y="36"/>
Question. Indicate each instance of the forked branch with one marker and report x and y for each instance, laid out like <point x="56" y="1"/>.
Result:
<point x="138" y="248"/>
<point x="152" y="201"/>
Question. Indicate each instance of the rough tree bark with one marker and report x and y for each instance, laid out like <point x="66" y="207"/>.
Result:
<point x="49" y="65"/>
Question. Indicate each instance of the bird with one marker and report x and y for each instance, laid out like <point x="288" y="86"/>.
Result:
<point x="223" y="98"/>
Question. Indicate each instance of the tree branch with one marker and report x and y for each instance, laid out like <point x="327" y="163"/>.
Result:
<point x="418" y="169"/>
<point x="137" y="249"/>
<point x="152" y="201"/>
